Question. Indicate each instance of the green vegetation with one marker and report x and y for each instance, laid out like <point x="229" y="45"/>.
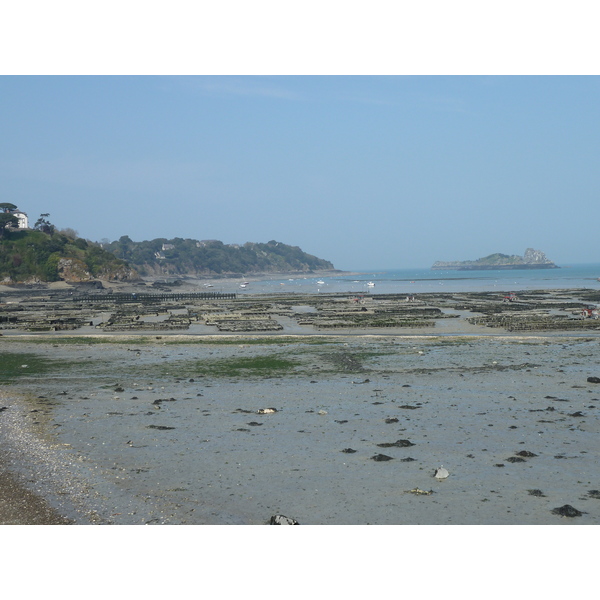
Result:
<point x="253" y="366"/>
<point x="212" y="257"/>
<point x="14" y="365"/>
<point x="27" y="255"/>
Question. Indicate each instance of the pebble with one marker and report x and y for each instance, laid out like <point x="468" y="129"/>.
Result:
<point x="381" y="457"/>
<point x="441" y="473"/>
<point x="567" y="511"/>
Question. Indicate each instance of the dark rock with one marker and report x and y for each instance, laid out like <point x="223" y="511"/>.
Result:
<point x="537" y="493"/>
<point x="576" y="414"/>
<point x="594" y="494"/>
<point x="408" y="459"/>
<point x="349" y="450"/>
<point x="161" y="427"/>
<point x="567" y="511"/>
<point x="254" y="424"/>
<point x="342" y="422"/>
<point x="282" y="520"/>
<point x="119" y="389"/>
<point x="397" y="444"/>
<point x="394" y="420"/>
<point x="515" y="459"/>
<point x="593" y="379"/>
<point x="525" y="453"/>
<point x="381" y="457"/>
<point x="499" y="465"/>
<point x="408" y="407"/>
<point x="160" y="401"/>
<point x="3" y="408"/>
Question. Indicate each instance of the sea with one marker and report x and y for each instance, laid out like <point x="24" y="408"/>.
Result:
<point x="426" y="280"/>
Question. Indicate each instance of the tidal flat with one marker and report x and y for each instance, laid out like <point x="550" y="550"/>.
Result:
<point x="173" y="429"/>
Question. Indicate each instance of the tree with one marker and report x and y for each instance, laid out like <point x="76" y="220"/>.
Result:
<point x="42" y="224"/>
<point x="7" y="207"/>
<point x="7" y="220"/>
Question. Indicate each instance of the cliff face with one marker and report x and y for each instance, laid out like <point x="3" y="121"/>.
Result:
<point x="532" y="259"/>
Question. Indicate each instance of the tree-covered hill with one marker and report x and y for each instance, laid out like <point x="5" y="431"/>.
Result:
<point x="208" y="258"/>
<point x="30" y="255"/>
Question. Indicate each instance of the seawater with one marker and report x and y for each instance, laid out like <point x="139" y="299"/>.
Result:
<point x="425" y="280"/>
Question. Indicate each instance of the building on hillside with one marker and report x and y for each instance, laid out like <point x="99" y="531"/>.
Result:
<point x="23" y="219"/>
<point x="21" y="216"/>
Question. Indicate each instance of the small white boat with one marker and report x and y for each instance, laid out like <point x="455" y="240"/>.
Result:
<point x="320" y="282"/>
<point x="370" y="284"/>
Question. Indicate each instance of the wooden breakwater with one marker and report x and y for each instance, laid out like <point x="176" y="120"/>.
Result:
<point x="144" y="298"/>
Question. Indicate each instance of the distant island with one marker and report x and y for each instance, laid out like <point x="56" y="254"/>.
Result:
<point x="532" y="259"/>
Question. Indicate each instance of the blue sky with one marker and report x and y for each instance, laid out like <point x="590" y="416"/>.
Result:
<point x="366" y="171"/>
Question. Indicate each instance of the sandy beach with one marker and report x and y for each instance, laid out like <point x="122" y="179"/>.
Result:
<point x="323" y="426"/>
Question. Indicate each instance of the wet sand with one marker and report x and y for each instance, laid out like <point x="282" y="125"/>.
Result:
<point x="157" y="438"/>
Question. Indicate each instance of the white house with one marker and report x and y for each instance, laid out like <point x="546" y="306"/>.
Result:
<point x="23" y="219"/>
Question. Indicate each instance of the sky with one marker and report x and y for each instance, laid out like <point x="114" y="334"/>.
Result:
<point x="365" y="171"/>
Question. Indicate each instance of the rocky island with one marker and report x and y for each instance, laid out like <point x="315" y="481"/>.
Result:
<point x="532" y="259"/>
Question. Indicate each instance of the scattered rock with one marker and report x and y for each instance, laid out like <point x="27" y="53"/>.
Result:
<point x="322" y="412"/>
<point x="593" y="379"/>
<point x="3" y="408"/>
<point x="359" y="382"/>
<point x="441" y="473"/>
<point x="349" y="450"/>
<point x="161" y="427"/>
<point x="515" y="459"/>
<point x="408" y="407"/>
<point x="576" y="414"/>
<point x="419" y="492"/>
<point x="408" y="459"/>
<point x="394" y="420"/>
<point x="537" y="493"/>
<point x="526" y="453"/>
<point x="594" y="494"/>
<point x="397" y="444"/>
<point x="254" y="424"/>
<point x="381" y="457"/>
<point x="266" y="411"/>
<point x="341" y="422"/>
<point x="499" y="465"/>
<point x="567" y="511"/>
<point x="282" y="520"/>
